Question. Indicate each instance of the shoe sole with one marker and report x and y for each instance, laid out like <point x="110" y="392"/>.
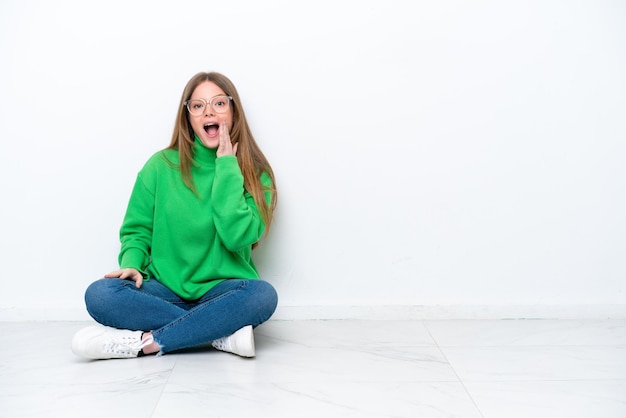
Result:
<point x="86" y="344"/>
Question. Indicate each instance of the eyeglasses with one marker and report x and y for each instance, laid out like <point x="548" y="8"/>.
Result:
<point x="219" y="104"/>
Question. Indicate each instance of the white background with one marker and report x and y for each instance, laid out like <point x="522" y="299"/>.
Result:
<point x="427" y="153"/>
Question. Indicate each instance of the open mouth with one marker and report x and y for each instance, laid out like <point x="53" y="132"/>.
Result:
<point x="211" y="129"/>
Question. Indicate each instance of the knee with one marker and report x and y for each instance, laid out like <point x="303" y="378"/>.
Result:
<point x="267" y="295"/>
<point x="99" y="295"/>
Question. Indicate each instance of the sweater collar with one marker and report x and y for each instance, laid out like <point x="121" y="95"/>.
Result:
<point x="203" y="154"/>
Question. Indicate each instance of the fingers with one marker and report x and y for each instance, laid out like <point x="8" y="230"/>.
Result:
<point x="224" y="134"/>
<point x="225" y="146"/>
<point x="127" y="274"/>
<point x="113" y="274"/>
<point x="138" y="281"/>
<point x="224" y="137"/>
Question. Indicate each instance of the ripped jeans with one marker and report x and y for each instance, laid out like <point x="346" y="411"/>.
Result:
<point x="176" y="323"/>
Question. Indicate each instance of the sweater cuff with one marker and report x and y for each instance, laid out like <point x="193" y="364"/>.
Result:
<point x="134" y="258"/>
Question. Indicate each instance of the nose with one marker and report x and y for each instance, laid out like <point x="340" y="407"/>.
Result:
<point x="208" y="110"/>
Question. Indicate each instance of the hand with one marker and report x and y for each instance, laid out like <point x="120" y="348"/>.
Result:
<point x="129" y="273"/>
<point x="225" y="147"/>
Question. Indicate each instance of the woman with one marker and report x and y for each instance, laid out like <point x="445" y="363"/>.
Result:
<point x="197" y="209"/>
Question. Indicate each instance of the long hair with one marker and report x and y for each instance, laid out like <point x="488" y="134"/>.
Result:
<point x="251" y="160"/>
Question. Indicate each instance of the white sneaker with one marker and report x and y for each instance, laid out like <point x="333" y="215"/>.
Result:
<point x="240" y="343"/>
<point x="100" y="342"/>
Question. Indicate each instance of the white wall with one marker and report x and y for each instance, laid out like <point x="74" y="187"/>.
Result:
<point x="435" y="153"/>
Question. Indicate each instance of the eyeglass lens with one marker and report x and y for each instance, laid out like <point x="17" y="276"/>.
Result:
<point x="219" y="103"/>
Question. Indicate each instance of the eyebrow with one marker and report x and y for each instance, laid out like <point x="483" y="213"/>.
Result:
<point x="217" y="95"/>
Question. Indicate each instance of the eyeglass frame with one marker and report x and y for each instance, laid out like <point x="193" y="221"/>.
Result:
<point x="210" y="103"/>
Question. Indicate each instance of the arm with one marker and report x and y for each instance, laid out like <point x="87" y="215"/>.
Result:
<point x="237" y="219"/>
<point x="136" y="234"/>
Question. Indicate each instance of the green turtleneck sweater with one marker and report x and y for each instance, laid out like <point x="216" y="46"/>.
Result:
<point x="191" y="242"/>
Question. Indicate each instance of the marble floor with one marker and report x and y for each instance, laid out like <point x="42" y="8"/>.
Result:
<point x="338" y="368"/>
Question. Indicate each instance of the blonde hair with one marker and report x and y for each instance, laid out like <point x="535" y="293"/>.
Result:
<point x="251" y="160"/>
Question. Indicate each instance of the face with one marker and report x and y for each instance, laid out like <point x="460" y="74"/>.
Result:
<point x="206" y="125"/>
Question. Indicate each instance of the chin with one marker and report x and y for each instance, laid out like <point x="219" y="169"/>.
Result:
<point x="211" y="142"/>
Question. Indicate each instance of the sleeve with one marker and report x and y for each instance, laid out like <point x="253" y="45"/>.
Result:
<point x="237" y="219"/>
<point x="136" y="230"/>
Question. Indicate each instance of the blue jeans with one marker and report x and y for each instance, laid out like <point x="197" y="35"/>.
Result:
<point x="177" y="323"/>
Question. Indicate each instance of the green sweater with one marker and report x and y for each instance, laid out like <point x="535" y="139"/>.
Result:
<point x="190" y="242"/>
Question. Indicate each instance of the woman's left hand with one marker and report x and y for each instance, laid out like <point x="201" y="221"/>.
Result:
<point x="225" y="147"/>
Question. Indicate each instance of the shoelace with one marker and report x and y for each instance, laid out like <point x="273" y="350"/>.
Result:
<point x="127" y="345"/>
<point x="222" y="343"/>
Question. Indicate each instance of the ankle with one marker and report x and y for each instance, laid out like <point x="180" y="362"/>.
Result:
<point x="152" y="347"/>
